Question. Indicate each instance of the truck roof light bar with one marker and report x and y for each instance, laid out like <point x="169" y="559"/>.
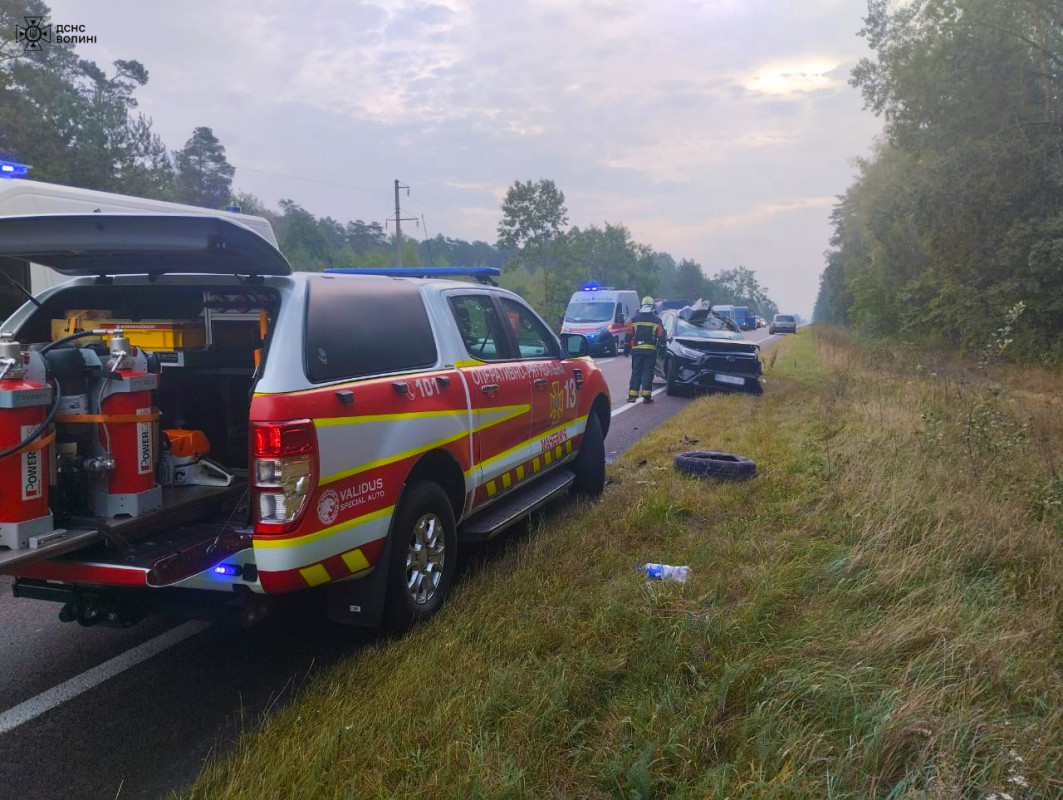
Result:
<point x="12" y="169"/>
<point x="482" y="274"/>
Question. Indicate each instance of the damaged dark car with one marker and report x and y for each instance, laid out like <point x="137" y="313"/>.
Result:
<point x="706" y="352"/>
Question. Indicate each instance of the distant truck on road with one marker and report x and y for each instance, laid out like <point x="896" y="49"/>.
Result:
<point x="742" y="317"/>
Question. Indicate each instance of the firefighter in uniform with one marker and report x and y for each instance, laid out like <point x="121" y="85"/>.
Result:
<point x="649" y="333"/>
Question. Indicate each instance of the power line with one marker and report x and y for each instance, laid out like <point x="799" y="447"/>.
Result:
<point x="312" y="180"/>
<point x="427" y="241"/>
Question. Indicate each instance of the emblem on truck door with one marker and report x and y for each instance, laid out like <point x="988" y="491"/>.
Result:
<point x="557" y="402"/>
<point x="328" y="507"/>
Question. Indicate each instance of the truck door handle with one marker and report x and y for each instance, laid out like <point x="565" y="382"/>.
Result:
<point x="490" y="388"/>
<point x="540" y="383"/>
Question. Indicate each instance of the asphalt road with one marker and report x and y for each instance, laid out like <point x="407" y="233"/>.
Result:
<point x="101" y="713"/>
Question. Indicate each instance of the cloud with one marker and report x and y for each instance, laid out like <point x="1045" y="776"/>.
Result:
<point x="794" y="77"/>
<point x="733" y="115"/>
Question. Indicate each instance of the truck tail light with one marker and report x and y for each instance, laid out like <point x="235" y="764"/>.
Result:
<point x="283" y="473"/>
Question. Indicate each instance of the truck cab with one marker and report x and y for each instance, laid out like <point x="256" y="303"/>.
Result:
<point x="220" y="430"/>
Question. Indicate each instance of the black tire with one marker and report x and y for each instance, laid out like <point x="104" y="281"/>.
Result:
<point x="589" y="465"/>
<point x="611" y="348"/>
<point x="721" y="466"/>
<point x="671" y="375"/>
<point x="420" y="501"/>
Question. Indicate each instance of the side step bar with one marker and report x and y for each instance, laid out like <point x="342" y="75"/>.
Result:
<point x="523" y="502"/>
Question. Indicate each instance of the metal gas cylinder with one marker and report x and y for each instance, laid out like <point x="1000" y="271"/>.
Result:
<point x="24" y="474"/>
<point x="127" y="436"/>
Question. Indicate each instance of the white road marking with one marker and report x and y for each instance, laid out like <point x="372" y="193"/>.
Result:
<point x="68" y="690"/>
<point x="629" y="406"/>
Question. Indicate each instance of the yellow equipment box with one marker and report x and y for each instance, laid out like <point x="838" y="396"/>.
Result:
<point x="148" y="334"/>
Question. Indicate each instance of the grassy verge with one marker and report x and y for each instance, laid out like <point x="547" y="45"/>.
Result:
<point x="878" y="614"/>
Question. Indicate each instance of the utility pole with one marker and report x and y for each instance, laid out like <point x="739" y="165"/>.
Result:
<point x="398" y="222"/>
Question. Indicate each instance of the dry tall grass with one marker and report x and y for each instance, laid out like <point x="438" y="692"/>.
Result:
<point x="878" y="614"/>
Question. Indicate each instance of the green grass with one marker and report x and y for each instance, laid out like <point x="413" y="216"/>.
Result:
<point x="878" y="614"/>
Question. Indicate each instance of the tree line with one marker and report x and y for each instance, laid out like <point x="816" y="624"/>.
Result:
<point x="547" y="263"/>
<point x="78" y="124"/>
<point x="953" y="228"/>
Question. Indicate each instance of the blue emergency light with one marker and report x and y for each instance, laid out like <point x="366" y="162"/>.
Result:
<point x="482" y="274"/>
<point x="232" y="570"/>
<point x="12" y="169"/>
<point x="589" y="287"/>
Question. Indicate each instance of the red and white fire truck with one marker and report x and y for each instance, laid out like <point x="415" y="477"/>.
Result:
<point x="187" y="426"/>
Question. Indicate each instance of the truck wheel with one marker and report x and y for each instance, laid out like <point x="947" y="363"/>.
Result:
<point x="423" y="555"/>
<point x="589" y="465"/>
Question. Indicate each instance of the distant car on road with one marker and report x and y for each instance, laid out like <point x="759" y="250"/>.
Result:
<point x="707" y="352"/>
<point x="783" y="323"/>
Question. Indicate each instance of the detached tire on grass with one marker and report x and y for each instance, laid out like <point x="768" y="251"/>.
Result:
<point x="719" y="466"/>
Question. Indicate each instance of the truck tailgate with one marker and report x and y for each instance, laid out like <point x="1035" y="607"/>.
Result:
<point x="180" y="504"/>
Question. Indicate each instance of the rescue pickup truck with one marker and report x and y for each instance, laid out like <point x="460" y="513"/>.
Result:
<point x="207" y="430"/>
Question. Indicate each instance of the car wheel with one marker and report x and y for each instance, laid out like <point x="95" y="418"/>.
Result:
<point x="721" y="466"/>
<point x="589" y="465"/>
<point x="671" y="375"/>
<point x="611" y="348"/>
<point x="423" y="555"/>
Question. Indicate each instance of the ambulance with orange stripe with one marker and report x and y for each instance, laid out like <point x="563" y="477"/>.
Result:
<point x="278" y="432"/>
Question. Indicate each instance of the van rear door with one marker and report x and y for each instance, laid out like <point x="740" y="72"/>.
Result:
<point x="138" y="244"/>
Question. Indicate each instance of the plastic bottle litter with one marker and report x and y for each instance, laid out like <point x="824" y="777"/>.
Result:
<point x="665" y="572"/>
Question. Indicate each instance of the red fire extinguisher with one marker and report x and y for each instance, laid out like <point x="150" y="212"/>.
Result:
<point x="24" y="412"/>
<point x="128" y="435"/>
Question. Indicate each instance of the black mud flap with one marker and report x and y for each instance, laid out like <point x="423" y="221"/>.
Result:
<point x="361" y="602"/>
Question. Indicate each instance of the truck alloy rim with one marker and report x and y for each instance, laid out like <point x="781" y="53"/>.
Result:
<point x="424" y="559"/>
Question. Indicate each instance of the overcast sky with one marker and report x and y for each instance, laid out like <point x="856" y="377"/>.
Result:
<point x="718" y="130"/>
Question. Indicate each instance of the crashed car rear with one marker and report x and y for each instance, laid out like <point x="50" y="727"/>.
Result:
<point x="707" y="352"/>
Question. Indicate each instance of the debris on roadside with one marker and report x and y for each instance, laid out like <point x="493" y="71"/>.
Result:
<point x="665" y="572"/>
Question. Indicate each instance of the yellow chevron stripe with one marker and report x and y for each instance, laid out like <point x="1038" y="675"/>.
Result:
<point x="355" y="560"/>
<point x="315" y="574"/>
<point x="525" y="443"/>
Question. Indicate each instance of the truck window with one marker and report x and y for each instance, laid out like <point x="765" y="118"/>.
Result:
<point x="480" y="327"/>
<point x="533" y="339"/>
<point x="359" y="327"/>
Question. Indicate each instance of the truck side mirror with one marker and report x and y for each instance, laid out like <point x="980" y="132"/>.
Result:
<point x="574" y="345"/>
